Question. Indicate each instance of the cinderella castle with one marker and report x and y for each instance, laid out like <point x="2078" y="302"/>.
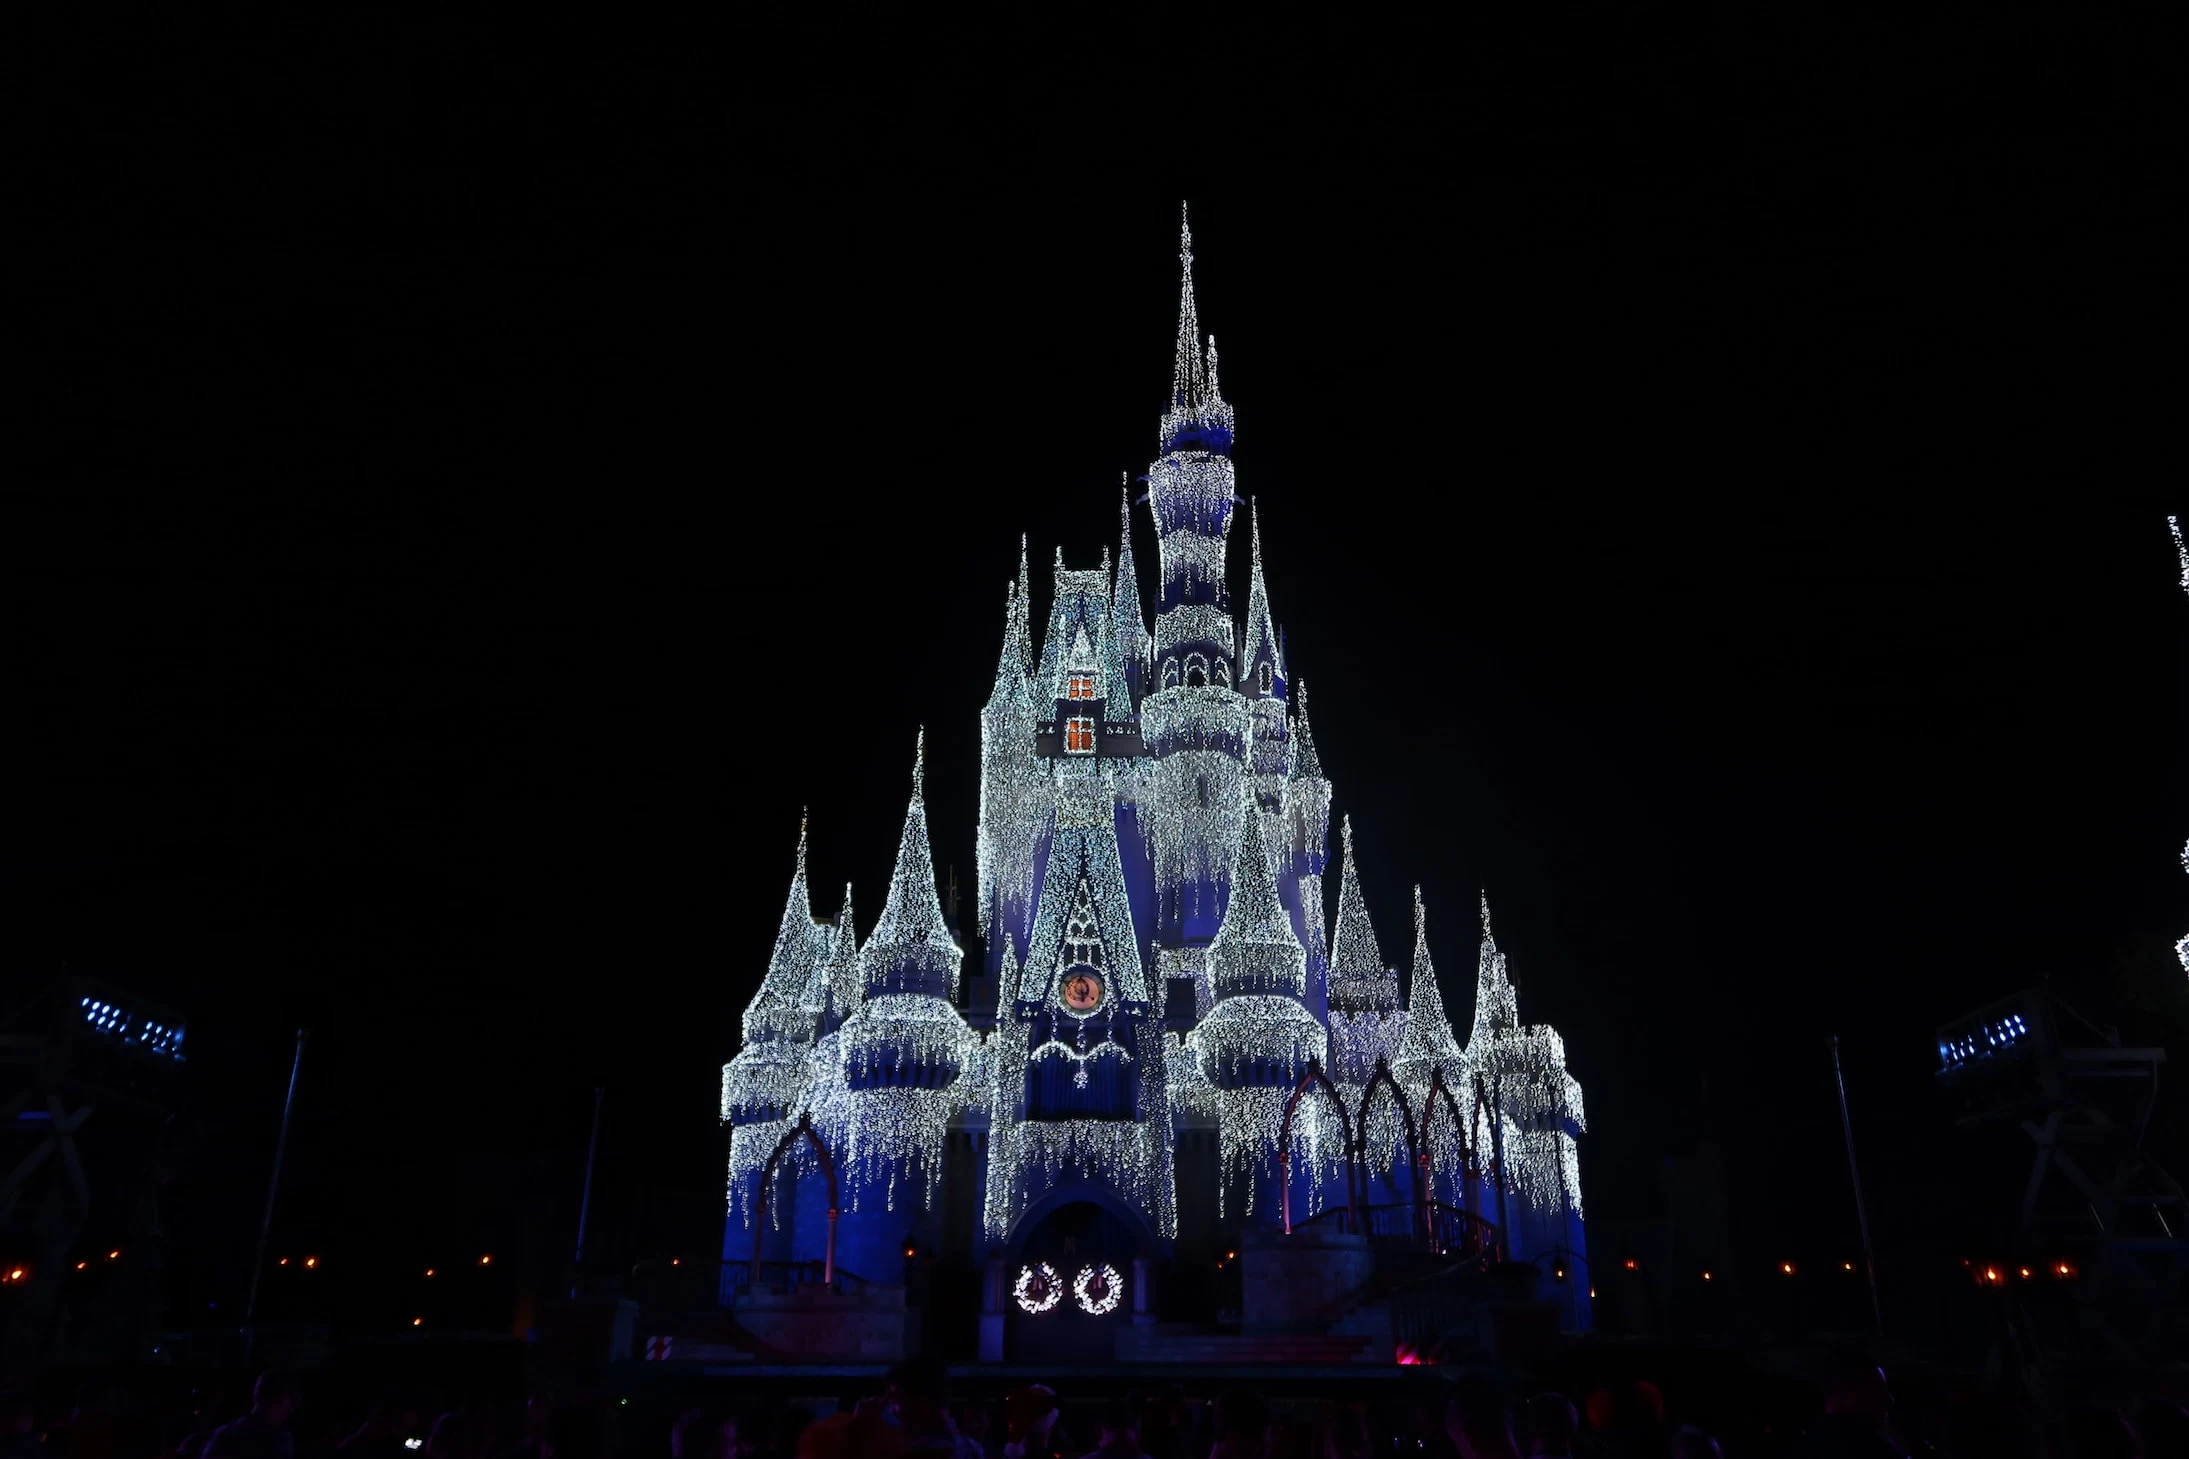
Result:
<point x="1167" y="1066"/>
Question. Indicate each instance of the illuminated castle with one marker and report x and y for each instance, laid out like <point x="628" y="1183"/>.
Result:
<point x="1156" y="979"/>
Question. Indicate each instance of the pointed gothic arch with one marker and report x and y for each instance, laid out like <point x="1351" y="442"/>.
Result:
<point x="804" y="1128"/>
<point x="1313" y="1075"/>
<point x="1382" y="1076"/>
<point x="1197" y="670"/>
<point x="1424" y="1148"/>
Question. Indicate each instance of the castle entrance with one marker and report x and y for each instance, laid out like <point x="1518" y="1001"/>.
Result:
<point x="1070" y="1286"/>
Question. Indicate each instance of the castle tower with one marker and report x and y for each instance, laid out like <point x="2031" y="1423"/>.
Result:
<point x="1133" y="639"/>
<point x="1013" y="800"/>
<point x="765" y="1085"/>
<point x="1537" y="1108"/>
<point x="1198" y="731"/>
<point x="1259" y="1038"/>
<point x="887" y="1101"/>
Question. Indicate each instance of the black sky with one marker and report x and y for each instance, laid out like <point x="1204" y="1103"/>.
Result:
<point x="490" y="480"/>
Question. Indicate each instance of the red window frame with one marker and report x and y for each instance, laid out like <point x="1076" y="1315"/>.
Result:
<point x="1079" y="737"/>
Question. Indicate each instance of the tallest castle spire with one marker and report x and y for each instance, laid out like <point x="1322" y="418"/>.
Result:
<point x="1198" y="416"/>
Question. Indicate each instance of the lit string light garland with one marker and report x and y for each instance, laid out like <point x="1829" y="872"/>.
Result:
<point x="1037" y="1289"/>
<point x="1098" y="1289"/>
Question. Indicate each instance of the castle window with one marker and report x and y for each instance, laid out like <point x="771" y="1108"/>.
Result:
<point x="1197" y="670"/>
<point x="1170" y="673"/>
<point x="1079" y="737"/>
<point x="1080" y="686"/>
<point x="1265" y="676"/>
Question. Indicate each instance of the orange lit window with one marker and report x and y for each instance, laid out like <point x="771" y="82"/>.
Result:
<point x="1079" y="737"/>
<point x="1079" y="686"/>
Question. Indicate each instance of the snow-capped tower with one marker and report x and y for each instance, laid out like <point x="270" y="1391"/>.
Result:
<point x="1198" y="731"/>
<point x="1133" y="639"/>
<point x="1365" y="1018"/>
<point x="1522" y="1070"/>
<point x="763" y="1087"/>
<point x="836" y="986"/>
<point x="1306" y="853"/>
<point x="1259" y="1038"/>
<point x="1426" y="1048"/>
<point x="894" y="1086"/>
<point x="1012" y="801"/>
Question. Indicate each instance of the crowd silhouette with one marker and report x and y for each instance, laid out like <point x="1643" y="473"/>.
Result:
<point x="1856" y="1414"/>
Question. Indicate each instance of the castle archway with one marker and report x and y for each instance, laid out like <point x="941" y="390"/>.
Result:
<point x="1069" y="1276"/>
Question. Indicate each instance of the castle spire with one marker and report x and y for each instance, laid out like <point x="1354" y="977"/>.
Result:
<point x="1132" y="628"/>
<point x="1306" y="764"/>
<point x="1428" y="1040"/>
<point x="1259" y="647"/>
<point x="835" y="988"/>
<point x="911" y="949"/>
<point x="1360" y="981"/>
<point x="1024" y="621"/>
<point x="1189" y="367"/>
<point x="1197" y="417"/>
<point x="778" y="1010"/>
<point x="1497" y="1009"/>
<point x="1010" y="687"/>
<point x="1256" y="951"/>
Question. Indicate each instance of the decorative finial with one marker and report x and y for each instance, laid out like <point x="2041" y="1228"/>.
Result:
<point x="1060" y="555"/>
<point x="1345" y="829"/>
<point x="1486" y="914"/>
<point x="1105" y="560"/>
<point x="801" y="843"/>
<point x="919" y="766"/>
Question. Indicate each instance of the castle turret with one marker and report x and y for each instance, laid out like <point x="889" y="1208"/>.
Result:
<point x="1365" y="1021"/>
<point x="1013" y="806"/>
<point x="1536" y="1106"/>
<point x="1190" y="490"/>
<point x="1427" y="1047"/>
<point x="894" y="1086"/>
<point x="1259" y="1038"/>
<point x="1133" y="639"/>
<point x="769" y="1078"/>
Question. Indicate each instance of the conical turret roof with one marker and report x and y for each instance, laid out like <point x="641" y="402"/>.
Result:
<point x="911" y="949"/>
<point x="1359" y="979"/>
<point x="1428" y="1040"/>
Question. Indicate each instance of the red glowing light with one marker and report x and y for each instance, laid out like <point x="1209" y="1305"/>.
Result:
<point x="114" y="1255"/>
<point x="1632" y="1264"/>
<point x="417" y="1322"/>
<point x="2065" y="1269"/>
<point x="1706" y="1276"/>
<point x="16" y="1274"/>
<point x="429" y="1271"/>
<point x="1991" y="1274"/>
<point x="2025" y="1273"/>
<point x="1846" y="1266"/>
<point x="487" y="1260"/>
<point x="676" y="1261"/>
<point x="1787" y="1267"/>
<point x="82" y="1264"/>
<point x="311" y="1261"/>
<point x="283" y="1262"/>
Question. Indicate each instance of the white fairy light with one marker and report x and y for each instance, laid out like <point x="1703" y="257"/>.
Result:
<point x="1098" y="1289"/>
<point x="1038" y="1288"/>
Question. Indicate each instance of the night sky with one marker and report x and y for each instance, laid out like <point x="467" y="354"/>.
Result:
<point x="490" y="482"/>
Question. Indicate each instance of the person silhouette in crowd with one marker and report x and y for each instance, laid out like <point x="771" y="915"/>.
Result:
<point x="263" y="1433"/>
